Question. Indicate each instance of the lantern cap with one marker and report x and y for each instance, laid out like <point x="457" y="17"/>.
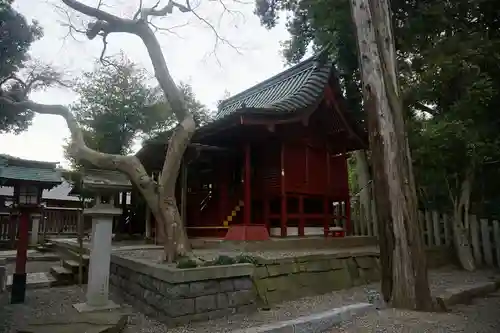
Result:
<point x="104" y="181"/>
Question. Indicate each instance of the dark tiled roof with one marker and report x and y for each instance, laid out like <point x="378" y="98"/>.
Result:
<point x="296" y="88"/>
<point x="16" y="169"/>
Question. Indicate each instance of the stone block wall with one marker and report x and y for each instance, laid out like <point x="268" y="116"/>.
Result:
<point x="177" y="302"/>
<point x="291" y="278"/>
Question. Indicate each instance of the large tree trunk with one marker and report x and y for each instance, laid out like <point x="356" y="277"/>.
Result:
<point x="365" y="193"/>
<point x="405" y="284"/>
<point x="461" y="227"/>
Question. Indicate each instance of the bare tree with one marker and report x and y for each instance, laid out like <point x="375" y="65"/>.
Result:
<point x="159" y="195"/>
<point x="404" y="272"/>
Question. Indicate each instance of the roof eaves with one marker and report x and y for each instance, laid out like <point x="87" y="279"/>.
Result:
<point x="292" y="89"/>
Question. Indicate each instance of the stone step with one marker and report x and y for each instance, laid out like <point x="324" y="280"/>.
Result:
<point x="74" y="265"/>
<point x="43" y="249"/>
<point x="35" y="280"/>
<point x="75" y="256"/>
<point x="61" y="273"/>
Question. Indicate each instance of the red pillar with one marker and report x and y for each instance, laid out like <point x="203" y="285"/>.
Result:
<point x="301" y="214"/>
<point x="266" y="202"/>
<point x="223" y="200"/>
<point x="247" y="231"/>
<point x="18" y="291"/>
<point x="284" y="209"/>
<point x="326" y="218"/>
<point x="248" y="194"/>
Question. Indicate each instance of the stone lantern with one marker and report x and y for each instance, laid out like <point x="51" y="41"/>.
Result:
<point x="105" y="185"/>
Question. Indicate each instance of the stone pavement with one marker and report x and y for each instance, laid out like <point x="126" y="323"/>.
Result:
<point x="35" y="280"/>
<point x="94" y="322"/>
<point x="482" y="315"/>
<point x="33" y="255"/>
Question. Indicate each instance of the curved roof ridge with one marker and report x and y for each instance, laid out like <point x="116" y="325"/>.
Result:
<point x="296" y="87"/>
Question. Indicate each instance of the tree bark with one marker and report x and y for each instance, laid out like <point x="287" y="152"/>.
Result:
<point x="461" y="227"/>
<point x="365" y="194"/>
<point x="404" y="272"/>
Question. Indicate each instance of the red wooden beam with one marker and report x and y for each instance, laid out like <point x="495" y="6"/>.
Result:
<point x="223" y="200"/>
<point x="301" y="216"/>
<point x="326" y="216"/>
<point x="248" y="194"/>
<point x="266" y="202"/>
<point x="328" y="174"/>
<point x="283" y="193"/>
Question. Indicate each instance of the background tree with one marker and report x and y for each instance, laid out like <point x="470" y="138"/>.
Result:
<point x="117" y="107"/>
<point x="16" y="36"/>
<point x="454" y="72"/>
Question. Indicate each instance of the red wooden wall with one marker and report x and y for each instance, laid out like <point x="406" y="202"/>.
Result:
<point x="308" y="170"/>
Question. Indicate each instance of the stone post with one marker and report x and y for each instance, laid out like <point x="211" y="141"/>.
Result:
<point x="35" y="228"/>
<point x="3" y="274"/>
<point x="100" y="257"/>
<point x="147" y="233"/>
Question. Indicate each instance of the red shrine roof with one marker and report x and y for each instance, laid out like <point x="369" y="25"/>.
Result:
<point x="294" y="89"/>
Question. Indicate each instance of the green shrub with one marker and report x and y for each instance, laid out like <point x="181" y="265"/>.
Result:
<point x="186" y="263"/>
<point x="223" y="260"/>
<point x="246" y="259"/>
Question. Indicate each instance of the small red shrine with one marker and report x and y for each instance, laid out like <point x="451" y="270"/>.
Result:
<point x="273" y="162"/>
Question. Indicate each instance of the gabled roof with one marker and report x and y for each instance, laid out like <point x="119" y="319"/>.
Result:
<point x="14" y="169"/>
<point x="60" y="192"/>
<point x="296" y="88"/>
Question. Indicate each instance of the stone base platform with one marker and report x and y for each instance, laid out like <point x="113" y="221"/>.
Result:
<point x="35" y="280"/>
<point x="288" y="243"/>
<point x="95" y="322"/>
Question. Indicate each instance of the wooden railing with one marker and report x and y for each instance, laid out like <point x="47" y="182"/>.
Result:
<point x="484" y="233"/>
<point x="60" y="221"/>
<point x="5" y="228"/>
<point x="55" y="221"/>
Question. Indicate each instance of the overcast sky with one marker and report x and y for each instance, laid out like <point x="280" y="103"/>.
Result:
<point x="188" y="53"/>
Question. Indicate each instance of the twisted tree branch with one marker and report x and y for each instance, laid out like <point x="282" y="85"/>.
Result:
<point x="129" y="165"/>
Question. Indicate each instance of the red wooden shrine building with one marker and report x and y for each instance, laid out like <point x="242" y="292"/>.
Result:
<point x="274" y="158"/>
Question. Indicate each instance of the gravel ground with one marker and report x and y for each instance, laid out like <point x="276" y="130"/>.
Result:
<point x="33" y="266"/>
<point x="481" y="316"/>
<point x="485" y="312"/>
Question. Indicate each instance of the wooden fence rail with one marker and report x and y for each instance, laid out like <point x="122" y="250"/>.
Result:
<point x="436" y="227"/>
<point x="55" y="221"/>
<point x="60" y="221"/>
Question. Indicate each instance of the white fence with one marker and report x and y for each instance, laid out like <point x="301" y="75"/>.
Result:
<point x="437" y="231"/>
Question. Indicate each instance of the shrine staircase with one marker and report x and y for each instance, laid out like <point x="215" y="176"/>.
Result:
<point x="204" y="219"/>
<point x="63" y="274"/>
<point x="67" y="272"/>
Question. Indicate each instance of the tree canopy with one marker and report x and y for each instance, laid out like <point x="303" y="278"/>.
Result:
<point x="16" y="36"/>
<point x="117" y="106"/>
